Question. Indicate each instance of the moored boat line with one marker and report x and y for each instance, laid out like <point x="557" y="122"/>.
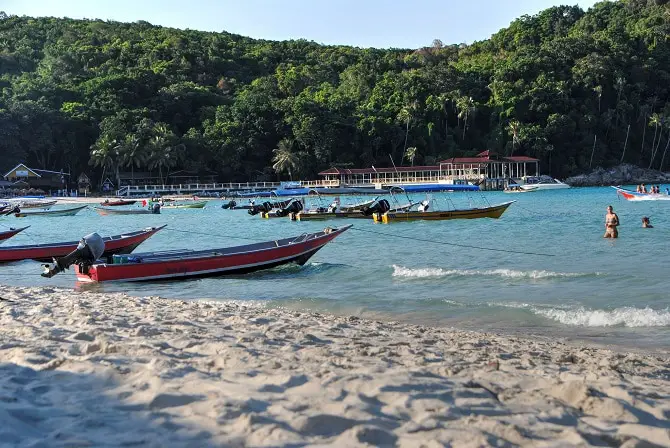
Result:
<point x="117" y="244"/>
<point x="51" y="213"/>
<point x="184" y="264"/>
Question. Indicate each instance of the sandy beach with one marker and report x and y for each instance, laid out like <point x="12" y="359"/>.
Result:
<point x="87" y="369"/>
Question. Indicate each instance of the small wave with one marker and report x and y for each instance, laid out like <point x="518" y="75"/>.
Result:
<point x="400" y="271"/>
<point x="622" y="317"/>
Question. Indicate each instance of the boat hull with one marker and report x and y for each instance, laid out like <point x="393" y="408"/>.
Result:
<point x="540" y="187"/>
<point x="119" y="244"/>
<point x="200" y="204"/>
<point x="106" y="212"/>
<point x="10" y="233"/>
<point x="324" y="216"/>
<point x="494" y="212"/>
<point x="635" y="196"/>
<point x="51" y="213"/>
<point x="120" y="203"/>
<point x="212" y="263"/>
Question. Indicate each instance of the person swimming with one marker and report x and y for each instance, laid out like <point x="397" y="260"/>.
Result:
<point x="611" y="223"/>
<point x="646" y="224"/>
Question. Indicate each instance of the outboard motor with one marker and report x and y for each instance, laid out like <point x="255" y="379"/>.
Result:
<point x="90" y="248"/>
<point x="382" y="206"/>
<point x="11" y="211"/>
<point x="229" y="205"/>
<point x="424" y="206"/>
<point x="293" y="207"/>
<point x="263" y="208"/>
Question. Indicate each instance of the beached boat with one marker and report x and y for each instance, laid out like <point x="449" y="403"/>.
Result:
<point x="102" y="211"/>
<point x="198" y="204"/>
<point x="118" y="244"/>
<point x="494" y="211"/>
<point x="117" y="203"/>
<point x="175" y="265"/>
<point x="7" y="234"/>
<point x="32" y="203"/>
<point x="51" y="213"/>
<point x="630" y="195"/>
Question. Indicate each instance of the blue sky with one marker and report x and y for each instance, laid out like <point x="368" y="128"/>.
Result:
<point x="363" y="23"/>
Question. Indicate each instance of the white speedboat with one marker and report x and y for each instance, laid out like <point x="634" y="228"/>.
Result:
<point x="543" y="183"/>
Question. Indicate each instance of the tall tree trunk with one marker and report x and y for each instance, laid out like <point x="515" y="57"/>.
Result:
<point x="595" y="139"/>
<point x="660" y="168"/>
<point x="644" y="134"/>
<point x="653" y="142"/>
<point x="406" y="135"/>
<point x="625" y="144"/>
<point x="655" y="151"/>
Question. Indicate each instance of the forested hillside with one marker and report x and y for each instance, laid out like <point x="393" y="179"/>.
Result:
<point x="571" y="87"/>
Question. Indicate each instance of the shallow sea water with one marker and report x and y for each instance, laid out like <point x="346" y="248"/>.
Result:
<point x="591" y="289"/>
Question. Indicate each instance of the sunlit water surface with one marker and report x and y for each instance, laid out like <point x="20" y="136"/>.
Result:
<point x="610" y="292"/>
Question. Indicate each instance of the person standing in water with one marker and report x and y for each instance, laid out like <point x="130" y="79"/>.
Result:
<point x="611" y="223"/>
<point x="646" y="224"/>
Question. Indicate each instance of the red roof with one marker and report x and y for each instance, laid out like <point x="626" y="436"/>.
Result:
<point x="461" y="160"/>
<point x="521" y="159"/>
<point x="400" y="169"/>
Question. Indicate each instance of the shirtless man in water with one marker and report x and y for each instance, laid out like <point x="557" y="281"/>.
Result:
<point x="611" y="223"/>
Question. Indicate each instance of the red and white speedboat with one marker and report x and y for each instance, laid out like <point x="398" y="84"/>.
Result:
<point x="118" y="244"/>
<point x="10" y="233"/>
<point x="630" y="195"/>
<point x="174" y="265"/>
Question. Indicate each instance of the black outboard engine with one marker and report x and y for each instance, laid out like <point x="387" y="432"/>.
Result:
<point x="263" y="208"/>
<point x="90" y="248"/>
<point x="382" y="206"/>
<point x="231" y="204"/>
<point x="292" y="207"/>
<point x="11" y="211"/>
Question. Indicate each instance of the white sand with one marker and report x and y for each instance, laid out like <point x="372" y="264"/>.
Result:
<point x="87" y="369"/>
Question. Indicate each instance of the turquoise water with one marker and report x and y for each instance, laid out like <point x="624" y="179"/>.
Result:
<point x="610" y="292"/>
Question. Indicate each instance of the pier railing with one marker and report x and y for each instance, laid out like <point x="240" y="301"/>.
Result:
<point x="129" y="190"/>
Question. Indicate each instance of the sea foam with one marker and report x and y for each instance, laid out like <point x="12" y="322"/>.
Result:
<point x="401" y="271"/>
<point x="622" y="317"/>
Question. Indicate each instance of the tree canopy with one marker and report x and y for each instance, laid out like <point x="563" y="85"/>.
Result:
<point x="99" y="96"/>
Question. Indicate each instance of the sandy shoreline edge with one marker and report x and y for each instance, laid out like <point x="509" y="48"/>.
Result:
<point x="91" y="369"/>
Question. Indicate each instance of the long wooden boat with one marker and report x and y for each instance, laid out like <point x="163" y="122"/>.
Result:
<point x="33" y="203"/>
<point x="494" y="211"/>
<point x="7" y="234"/>
<point x="102" y="211"/>
<point x="51" y="213"/>
<point x="316" y="215"/>
<point x="198" y="204"/>
<point x="320" y="215"/>
<point x="118" y="244"/>
<point x="117" y="203"/>
<point x="175" y="265"/>
<point x="630" y="195"/>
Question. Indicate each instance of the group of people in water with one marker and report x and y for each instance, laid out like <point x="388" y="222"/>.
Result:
<point x="653" y="189"/>
<point x="612" y="223"/>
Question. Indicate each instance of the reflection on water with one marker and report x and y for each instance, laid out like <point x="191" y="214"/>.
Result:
<point x="610" y="291"/>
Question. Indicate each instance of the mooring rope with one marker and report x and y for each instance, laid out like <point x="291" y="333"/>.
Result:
<point x="453" y="244"/>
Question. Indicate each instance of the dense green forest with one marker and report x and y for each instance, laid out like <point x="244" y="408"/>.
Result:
<point x="576" y="89"/>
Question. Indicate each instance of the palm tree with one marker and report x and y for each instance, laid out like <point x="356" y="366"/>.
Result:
<point x="284" y="160"/>
<point x="134" y="153"/>
<point x="466" y="108"/>
<point x="599" y="93"/>
<point x="166" y="151"/>
<point x="410" y="154"/>
<point x="104" y="154"/>
<point x="514" y="128"/>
